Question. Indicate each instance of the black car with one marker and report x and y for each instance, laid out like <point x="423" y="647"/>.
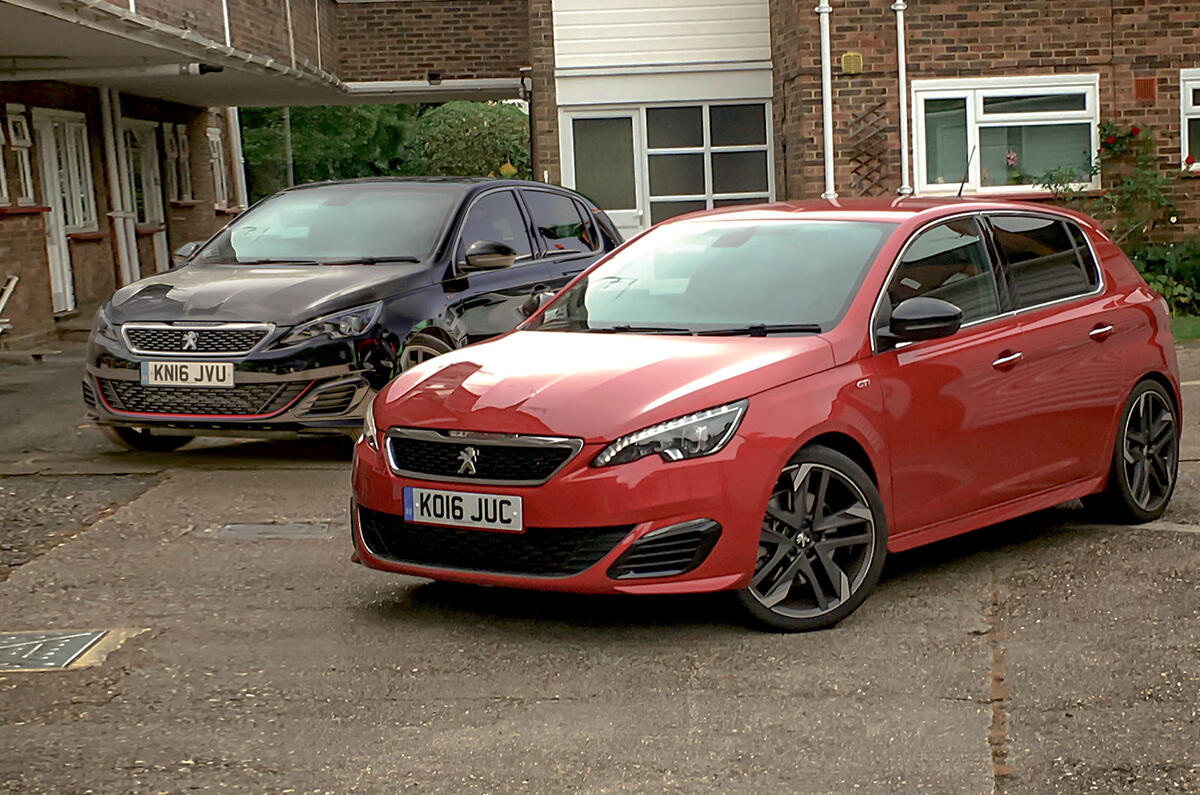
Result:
<point x="292" y="315"/>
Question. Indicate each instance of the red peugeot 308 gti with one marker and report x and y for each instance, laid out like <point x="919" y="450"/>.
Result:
<point x="766" y="400"/>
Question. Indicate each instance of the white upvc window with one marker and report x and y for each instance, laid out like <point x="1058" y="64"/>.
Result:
<point x="1189" y="112"/>
<point x="171" y="153"/>
<point x="186" y="191"/>
<point x="1004" y="133"/>
<point x="216" y="155"/>
<point x="3" y="169"/>
<point x="21" y="139"/>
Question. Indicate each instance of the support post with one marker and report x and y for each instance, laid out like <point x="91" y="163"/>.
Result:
<point x="899" y="7"/>
<point x="823" y="11"/>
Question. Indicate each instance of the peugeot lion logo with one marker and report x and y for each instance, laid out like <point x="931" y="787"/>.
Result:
<point x="190" y="338"/>
<point x="468" y="456"/>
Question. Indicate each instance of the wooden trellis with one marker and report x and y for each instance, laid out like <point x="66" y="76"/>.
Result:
<point x="867" y="142"/>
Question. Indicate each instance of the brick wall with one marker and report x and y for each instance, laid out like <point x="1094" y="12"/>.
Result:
<point x="203" y="16"/>
<point x="260" y="26"/>
<point x="543" y="111"/>
<point x="1120" y="39"/>
<point x="23" y="254"/>
<point x="406" y="40"/>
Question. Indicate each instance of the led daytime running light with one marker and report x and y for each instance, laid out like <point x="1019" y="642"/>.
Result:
<point x="607" y="455"/>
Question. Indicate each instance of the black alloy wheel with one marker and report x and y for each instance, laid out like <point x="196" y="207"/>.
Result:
<point x="1145" y="460"/>
<point x="420" y="348"/>
<point x="822" y="545"/>
<point x="143" y="441"/>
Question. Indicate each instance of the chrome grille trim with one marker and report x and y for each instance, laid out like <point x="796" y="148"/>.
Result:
<point x="267" y="330"/>
<point x="481" y="439"/>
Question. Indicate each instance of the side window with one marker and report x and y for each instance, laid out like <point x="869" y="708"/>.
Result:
<point x="1046" y="258"/>
<point x="558" y="223"/>
<point x="948" y="261"/>
<point x="496" y="217"/>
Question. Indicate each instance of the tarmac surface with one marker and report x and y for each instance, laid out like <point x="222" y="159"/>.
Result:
<point x="1042" y="655"/>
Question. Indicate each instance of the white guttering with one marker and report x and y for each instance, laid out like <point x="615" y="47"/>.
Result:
<point x="902" y="60"/>
<point x="233" y="120"/>
<point x="823" y="10"/>
<point x="403" y="88"/>
<point x="118" y="188"/>
<point x="109" y="72"/>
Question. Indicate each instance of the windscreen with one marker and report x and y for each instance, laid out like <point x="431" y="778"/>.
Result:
<point x="336" y="222"/>
<point x="702" y="275"/>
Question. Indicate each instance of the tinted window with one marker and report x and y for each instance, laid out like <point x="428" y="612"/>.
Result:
<point x="496" y="217"/>
<point x="704" y="274"/>
<point x="950" y="262"/>
<point x="558" y="222"/>
<point x="1046" y="261"/>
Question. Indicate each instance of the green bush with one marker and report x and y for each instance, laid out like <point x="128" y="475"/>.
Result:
<point x="1173" y="269"/>
<point x="471" y="139"/>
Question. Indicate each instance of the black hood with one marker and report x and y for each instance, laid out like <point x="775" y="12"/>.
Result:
<point x="279" y="294"/>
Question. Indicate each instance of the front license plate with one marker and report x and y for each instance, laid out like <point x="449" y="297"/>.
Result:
<point x="463" y="509"/>
<point x="217" y="374"/>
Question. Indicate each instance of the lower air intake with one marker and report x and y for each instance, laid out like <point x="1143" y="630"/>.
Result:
<point x="667" y="551"/>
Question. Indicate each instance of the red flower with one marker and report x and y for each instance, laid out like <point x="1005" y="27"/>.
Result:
<point x="1110" y="140"/>
<point x="1189" y="160"/>
<point x="1134" y="131"/>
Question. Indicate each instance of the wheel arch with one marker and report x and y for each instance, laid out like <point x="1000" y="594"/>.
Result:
<point x="848" y="446"/>
<point x="1166" y="383"/>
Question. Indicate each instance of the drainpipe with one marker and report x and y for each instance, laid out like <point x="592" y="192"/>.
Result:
<point x="234" y="124"/>
<point x="823" y="10"/>
<point x="906" y="188"/>
<point x="116" y="183"/>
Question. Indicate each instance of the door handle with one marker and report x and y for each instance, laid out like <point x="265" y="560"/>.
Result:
<point x="1007" y="360"/>
<point x="1100" y="333"/>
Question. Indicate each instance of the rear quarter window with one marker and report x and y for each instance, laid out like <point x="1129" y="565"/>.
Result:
<point x="1048" y="259"/>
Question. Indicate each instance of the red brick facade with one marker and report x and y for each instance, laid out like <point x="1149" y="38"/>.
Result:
<point x="1118" y="39"/>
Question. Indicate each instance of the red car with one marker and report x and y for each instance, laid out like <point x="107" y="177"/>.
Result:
<point x="767" y="400"/>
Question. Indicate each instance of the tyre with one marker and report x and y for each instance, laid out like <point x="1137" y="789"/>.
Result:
<point x="822" y="545"/>
<point x="143" y="441"/>
<point x="420" y="348"/>
<point x="1145" y="462"/>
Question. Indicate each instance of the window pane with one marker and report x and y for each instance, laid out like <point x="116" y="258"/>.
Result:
<point x="661" y="211"/>
<point x="1193" y="138"/>
<point x="497" y="217"/>
<point x="669" y="127"/>
<point x="1041" y="258"/>
<point x="676" y="175"/>
<point x="739" y="172"/>
<point x="1035" y="103"/>
<point x="62" y="168"/>
<point x="604" y="162"/>
<point x="948" y="262"/>
<point x="557" y="221"/>
<point x="1196" y="97"/>
<point x="1020" y="155"/>
<point x="731" y="202"/>
<point x="945" y="140"/>
<point x="737" y="125"/>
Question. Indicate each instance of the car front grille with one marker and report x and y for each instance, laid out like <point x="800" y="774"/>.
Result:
<point x="494" y="458"/>
<point x="668" y="551"/>
<point x="182" y="340"/>
<point x="242" y="400"/>
<point x="89" y="394"/>
<point x="536" y="552"/>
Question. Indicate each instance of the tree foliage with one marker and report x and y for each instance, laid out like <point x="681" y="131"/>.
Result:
<point x="472" y="139"/>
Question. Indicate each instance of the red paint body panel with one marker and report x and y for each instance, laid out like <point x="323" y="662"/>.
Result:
<point x="954" y="442"/>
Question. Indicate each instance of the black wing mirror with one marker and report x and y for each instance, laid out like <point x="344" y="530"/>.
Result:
<point x="924" y="318"/>
<point x="181" y="255"/>
<point x="487" y="255"/>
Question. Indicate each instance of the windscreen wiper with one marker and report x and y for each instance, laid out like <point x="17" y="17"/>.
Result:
<point x="625" y="328"/>
<point x="370" y="260"/>
<point x="267" y="261"/>
<point x="762" y="330"/>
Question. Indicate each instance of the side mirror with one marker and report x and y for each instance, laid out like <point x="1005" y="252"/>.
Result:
<point x="924" y="318"/>
<point x="534" y="302"/>
<point x="181" y="255"/>
<point x="487" y="255"/>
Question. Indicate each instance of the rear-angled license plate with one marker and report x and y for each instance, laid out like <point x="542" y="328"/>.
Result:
<point x="216" y="374"/>
<point x="463" y="509"/>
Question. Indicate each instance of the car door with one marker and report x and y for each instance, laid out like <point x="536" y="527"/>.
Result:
<point x="1074" y="343"/>
<point x="565" y="233"/>
<point x="953" y="405"/>
<point x="482" y="304"/>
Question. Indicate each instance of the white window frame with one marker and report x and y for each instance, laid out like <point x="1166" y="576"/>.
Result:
<point x="186" y="190"/>
<point x="20" y="136"/>
<point x="974" y="90"/>
<point x="80" y="187"/>
<point x="171" y="158"/>
<point x="3" y="170"/>
<point x="1189" y="81"/>
<point x="216" y="156"/>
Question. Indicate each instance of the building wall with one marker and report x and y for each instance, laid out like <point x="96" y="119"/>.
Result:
<point x="1121" y="40"/>
<point x="408" y="39"/>
<point x="543" y="109"/>
<point x="203" y="16"/>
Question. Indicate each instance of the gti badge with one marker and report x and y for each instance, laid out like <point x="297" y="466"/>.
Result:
<point x="468" y="456"/>
<point x="190" y="338"/>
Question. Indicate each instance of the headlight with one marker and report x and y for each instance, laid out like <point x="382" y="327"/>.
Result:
<point x="695" y="435"/>
<point x="103" y="327"/>
<point x="370" y="434"/>
<point x="349" y="323"/>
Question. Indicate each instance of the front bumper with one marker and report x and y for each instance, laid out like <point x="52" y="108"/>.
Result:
<point x="607" y="517"/>
<point x="318" y="388"/>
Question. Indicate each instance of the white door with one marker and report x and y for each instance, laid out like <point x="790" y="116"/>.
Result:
<point x="54" y="155"/>
<point x="145" y="183"/>
<point x="601" y="159"/>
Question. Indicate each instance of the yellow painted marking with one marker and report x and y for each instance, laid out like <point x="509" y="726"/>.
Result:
<point x="1190" y="383"/>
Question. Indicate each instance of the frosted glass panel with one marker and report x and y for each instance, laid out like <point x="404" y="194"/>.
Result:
<point x="739" y="172"/>
<point x="1021" y="155"/>
<point x="676" y="175"/>
<point x="737" y="125"/>
<point x="604" y="162"/>
<point x="945" y="140"/>
<point x="672" y="127"/>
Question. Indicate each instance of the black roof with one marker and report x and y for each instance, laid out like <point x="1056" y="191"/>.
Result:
<point x="467" y="183"/>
